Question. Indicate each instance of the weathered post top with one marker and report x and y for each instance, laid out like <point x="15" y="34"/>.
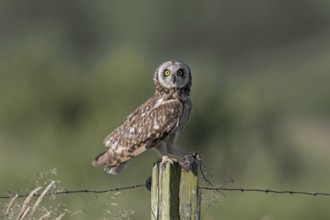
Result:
<point x="174" y="192"/>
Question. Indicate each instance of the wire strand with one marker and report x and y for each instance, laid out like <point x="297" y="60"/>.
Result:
<point x="218" y="189"/>
<point x="290" y="192"/>
<point x="79" y="191"/>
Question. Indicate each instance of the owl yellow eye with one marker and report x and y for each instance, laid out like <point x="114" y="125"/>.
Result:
<point x="167" y="72"/>
<point x="179" y="72"/>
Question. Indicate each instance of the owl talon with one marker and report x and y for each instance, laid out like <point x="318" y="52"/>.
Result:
<point x="166" y="159"/>
<point x="187" y="161"/>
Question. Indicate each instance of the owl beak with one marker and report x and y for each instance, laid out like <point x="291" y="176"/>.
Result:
<point x="173" y="78"/>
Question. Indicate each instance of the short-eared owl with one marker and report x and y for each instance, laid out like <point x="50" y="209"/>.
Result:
<point x="154" y="124"/>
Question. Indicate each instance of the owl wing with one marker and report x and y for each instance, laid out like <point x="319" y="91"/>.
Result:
<point x="141" y="130"/>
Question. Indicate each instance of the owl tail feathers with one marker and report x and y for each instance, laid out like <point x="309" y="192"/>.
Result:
<point x="107" y="161"/>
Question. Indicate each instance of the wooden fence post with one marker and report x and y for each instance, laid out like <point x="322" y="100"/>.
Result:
<point x="174" y="193"/>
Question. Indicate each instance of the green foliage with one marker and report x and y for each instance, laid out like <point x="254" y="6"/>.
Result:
<point x="70" y="71"/>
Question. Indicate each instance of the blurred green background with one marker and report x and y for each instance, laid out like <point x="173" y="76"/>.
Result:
<point x="71" y="70"/>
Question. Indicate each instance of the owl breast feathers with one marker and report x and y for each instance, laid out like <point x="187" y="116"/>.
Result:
<point x="155" y="123"/>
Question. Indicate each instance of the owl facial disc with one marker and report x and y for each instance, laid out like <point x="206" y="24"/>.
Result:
<point x="173" y="75"/>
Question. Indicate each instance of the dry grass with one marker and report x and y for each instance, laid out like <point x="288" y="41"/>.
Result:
<point x="11" y="204"/>
<point x="28" y="207"/>
<point x="38" y="204"/>
<point x="25" y="207"/>
<point x="35" y="206"/>
<point x="43" y="194"/>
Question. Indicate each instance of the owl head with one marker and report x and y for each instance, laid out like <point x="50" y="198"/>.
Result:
<point x="173" y="75"/>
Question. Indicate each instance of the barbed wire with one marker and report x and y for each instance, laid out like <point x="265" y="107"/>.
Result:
<point x="78" y="191"/>
<point x="218" y="189"/>
<point x="290" y="192"/>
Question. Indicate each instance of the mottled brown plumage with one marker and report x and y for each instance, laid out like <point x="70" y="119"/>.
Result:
<point x="155" y="123"/>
